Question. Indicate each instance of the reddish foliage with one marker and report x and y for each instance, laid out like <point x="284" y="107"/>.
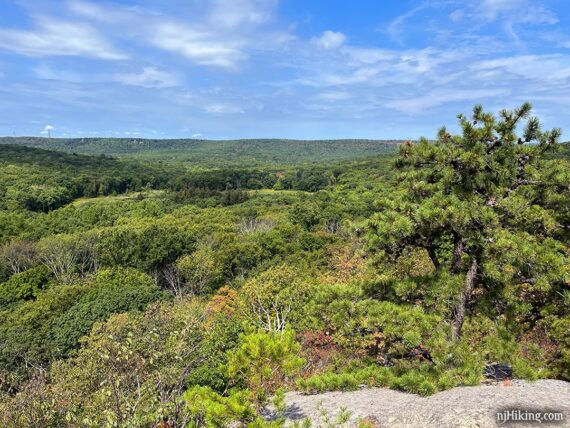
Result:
<point x="421" y="353"/>
<point x="538" y="336"/>
<point x="318" y="347"/>
<point x="224" y="302"/>
<point x="369" y="422"/>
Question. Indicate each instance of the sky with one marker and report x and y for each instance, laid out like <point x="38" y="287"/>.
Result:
<point x="308" y="69"/>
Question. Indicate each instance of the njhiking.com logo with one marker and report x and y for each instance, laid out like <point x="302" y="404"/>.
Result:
<point x="532" y="416"/>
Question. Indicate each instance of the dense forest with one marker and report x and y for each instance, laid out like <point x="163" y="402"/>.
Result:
<point x="138" y="294"/>
<point x="43" y="180"/>
<point x="217" y="153"/>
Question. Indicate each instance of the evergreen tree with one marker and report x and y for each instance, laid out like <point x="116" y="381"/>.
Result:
<point x="483" y="205"/>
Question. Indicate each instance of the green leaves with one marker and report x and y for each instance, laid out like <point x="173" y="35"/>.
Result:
<point x="265" y="360"/>
<point x="111" y="291"/>
<point x="488" y="195"/>
<point x="210" y="409"/>
<point x="24" y="285"/>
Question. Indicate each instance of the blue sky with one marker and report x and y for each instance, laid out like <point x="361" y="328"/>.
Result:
<point x="276" y="68"/>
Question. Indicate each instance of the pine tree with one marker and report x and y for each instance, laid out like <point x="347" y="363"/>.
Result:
<point x="482" y="204"/>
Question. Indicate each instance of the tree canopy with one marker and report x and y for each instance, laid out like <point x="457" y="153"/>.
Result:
<point x="482" y="204"/>
<point x="137" y="294"/>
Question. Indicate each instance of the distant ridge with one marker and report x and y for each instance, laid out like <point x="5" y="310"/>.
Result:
<point x="246" y="152"/>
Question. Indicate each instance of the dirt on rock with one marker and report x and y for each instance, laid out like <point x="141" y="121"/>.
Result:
<point x="475" y="406"/>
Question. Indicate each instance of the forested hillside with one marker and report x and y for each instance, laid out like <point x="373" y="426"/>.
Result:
<point x="40" y="180"/>
<point x="138" y="294"/>
<point x="217" y="153"/>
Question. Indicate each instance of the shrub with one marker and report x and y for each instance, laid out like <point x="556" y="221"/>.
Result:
<point x="264" y="361"/>
<point x="112" y="291"/>
<point x="25" y="285"/>
<point x="207" y="408"/>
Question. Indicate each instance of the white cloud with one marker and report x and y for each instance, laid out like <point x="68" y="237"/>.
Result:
<point x="513" y="13"/>
<point x="443" y="96"/>
<point x="395" y="29"/>
<point x="196" y="135"/>
<point x="530" y="67"/>
<point x="333" y="96"/>
<point x="150" y="77"/>
<point x="328" y="78"/>
<point x="235" y="13"/>
<point x="217" y="33"/>
<point x="457" y="15"/>
<point x="381" y="67"/>
<point x="509" y="14"/>
<point x="559" y="39"/>
<point x="58" y="38"/>
<point x="201" y="47"/>
<point x="492" y="8"/>
<point x="47" y="130"/>
<point x="519" y="11"/>
<point x="47" y="72"/>
<point x="224" y="108"/>
<point x="330" y="40"/>
<point x="91" y="10"/>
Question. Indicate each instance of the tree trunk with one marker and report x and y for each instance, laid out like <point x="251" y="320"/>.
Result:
<point x="464" y="298"/>
<point x="457" y="253"/>
<point x="433" y="257"/>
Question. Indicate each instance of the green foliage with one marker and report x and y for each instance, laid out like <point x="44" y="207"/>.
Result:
<point x="233" y="153"/>
<point x="223" y="335"/>
<point x="380" y="329"/>
<point x="69" y="256"/>
<point x="307" y="215"/>
<point x="201" y="271"/>
<point x="25" y="329"/>
<point x="148" y="248"/>
<point x="263" y="361"/>
<point x="129" y="372"/>
<point x="233" y="197"/>
<point x="111" y="291"/>
<point x="42" y="180"/>
<point x="24" y="285"/>
<point x="273" y="299"/>
<point x="560" y="332"/>
<point x="480" y="205"/>
<point x="209" y="409"/>
<point x="175" y="305"/>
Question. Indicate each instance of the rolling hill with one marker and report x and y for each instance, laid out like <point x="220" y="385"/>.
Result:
<point x="217" y="152"/>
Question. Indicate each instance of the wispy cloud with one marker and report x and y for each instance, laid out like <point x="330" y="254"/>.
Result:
<point x="516" y="11"/>
<point x="236" y="13"/>
<point x="530" y="67"/>
<point x="201" y="47"/>
<point x="259" y="70"/>
<point x="97" y="12"/>
<point x="329" y="40"/>
<point x="48" y="72"/>
<point x="149" y="77"/>
<point x="438" y="97"/>
<point x="223" y="108"/>
<point x="511" y="15"/>
<point x="220" y="33"/>
<point x="333" y="96"/>
<point x="396" y="28"/>
<point x="54" y="37"/>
